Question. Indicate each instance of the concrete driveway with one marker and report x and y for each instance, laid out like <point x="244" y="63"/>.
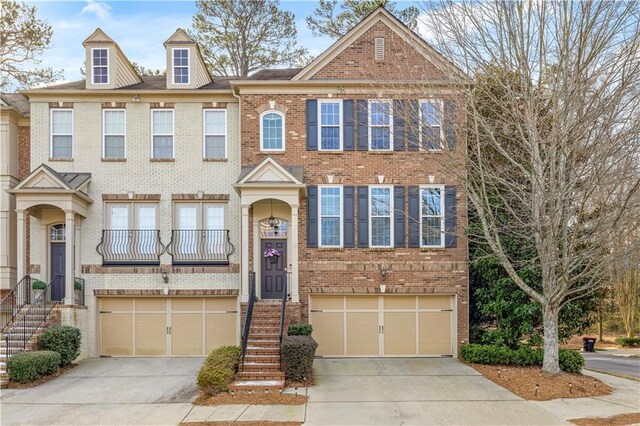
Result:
<point x="155" y="391"/>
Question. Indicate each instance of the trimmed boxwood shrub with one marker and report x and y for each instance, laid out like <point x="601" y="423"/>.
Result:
<point x="62" y="339"/>
<point x="38" y="285"/>
<point x="28" y="366"/>
<point x="219" y="369"/>
<point x="300" y="330"/>
<point x="628" y="342"/>
<point x="570" y="361"/>
<point x="297" y="356"/>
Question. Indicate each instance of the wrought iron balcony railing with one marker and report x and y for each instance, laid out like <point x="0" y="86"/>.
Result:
<point x="200" y="247"/>
<point x="130" y="247"/>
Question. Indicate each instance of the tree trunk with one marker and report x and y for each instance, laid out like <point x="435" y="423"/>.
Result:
<point x="551" y="361"/>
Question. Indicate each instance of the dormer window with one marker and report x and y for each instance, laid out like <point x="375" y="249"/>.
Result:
<point x="100" y="66"/>
<point x="180" y="66"/>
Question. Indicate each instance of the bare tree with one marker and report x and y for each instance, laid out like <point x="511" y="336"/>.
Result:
<point x="625" y="280"/>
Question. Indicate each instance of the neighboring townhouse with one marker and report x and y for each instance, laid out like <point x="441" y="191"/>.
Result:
<point x="163" y="196"/>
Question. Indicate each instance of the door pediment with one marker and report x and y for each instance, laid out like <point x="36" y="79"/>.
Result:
<point x="270" y="171"/>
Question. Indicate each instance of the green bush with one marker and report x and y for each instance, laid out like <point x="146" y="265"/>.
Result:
<point x="28" y="366"/>
<point x="300" y="330"/>
<point x="62" y="339"/>
<point x="219" y="369"/>
<point x="628" y="342"/>
<point x="570" y="361"/>
<point x="297" y="356"/>
<point x="487" y="354"/>
<point x="527" y="356"/>
<point x="38" y="285"/>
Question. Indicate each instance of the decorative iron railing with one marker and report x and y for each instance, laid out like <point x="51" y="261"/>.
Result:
<point x="200" y="246"/>
<point x="283" y="307"/>
<point x="249" y="314"/>
<point x="130" y="246"/>
<point x="15" y="300"/>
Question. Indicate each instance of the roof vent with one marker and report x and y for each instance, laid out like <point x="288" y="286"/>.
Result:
<point x="379" y="49"/>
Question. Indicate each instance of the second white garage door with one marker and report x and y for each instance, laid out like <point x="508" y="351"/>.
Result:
<point x="383" y="325"/>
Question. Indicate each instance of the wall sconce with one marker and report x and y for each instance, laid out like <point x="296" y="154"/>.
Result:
<point x="165" y="277"/>
<point x="383" y="274"/>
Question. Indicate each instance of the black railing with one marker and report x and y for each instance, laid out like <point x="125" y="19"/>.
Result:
<point x="31" y="318"/>
<point x="283" y="308"/>
<point x="200" y="246"/>
<point x="78" y="291"/>
<point x="130" y="246"/>
<point x="15" y="300"/>
<point x="249" y="314"/>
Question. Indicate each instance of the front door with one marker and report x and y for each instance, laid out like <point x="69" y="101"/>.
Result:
<point x="273" y="270"/>
<point x="57" y="268"/>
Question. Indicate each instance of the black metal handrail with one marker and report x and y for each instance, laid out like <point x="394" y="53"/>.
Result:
<point x="32" y="317"/>
<point x="283" y="308"/>
<point x="130" y="246"/>
<point x="78" y="284"/>
<point x="200" y="246"/>
<point x="249" y="314"/>
<point x="15" y="300"/>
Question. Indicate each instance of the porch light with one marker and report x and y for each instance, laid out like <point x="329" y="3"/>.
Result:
<point x="273" y="223"/>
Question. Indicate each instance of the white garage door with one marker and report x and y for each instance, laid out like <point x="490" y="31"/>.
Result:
<point x="154" y="326"/>
<point x="383" y="325"/>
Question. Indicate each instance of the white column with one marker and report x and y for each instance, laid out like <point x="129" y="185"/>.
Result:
<point x="21" y="243"/>
<point x="69" y="220"/>
<point x="244" y="260"/>
<point x="293" y="235"/>
<point x="77" y="241"/>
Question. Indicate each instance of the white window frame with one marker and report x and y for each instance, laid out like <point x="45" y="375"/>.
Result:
<point x="440" y="105"/>
<point x="205" y="134"/>
<point x="390" y="125"/>
<point x="104" y="133"/>
<point x="173" y="134"/>
<point x="61" y="134"/>
<point x="340" y="124"/>
<point x="133" y="216"/>
<point x="442" y="222"/>
<point x="391" y="215"/>
<point x="173" y="65"/>
<point x="281" y="114"/>
<point x="93" y="66"/>
<point x="320" y="187"/>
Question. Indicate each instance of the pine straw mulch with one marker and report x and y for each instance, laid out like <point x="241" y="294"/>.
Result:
<point x="619" y="420"/>
<point x="248" y="423"/>
<point x="38" y="382"/>
<point x="523" y="380"/>
<point x="255" y="398"/>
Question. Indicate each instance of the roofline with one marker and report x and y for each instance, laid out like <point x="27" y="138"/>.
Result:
<point x="122" y="91"/>
<point x="350" y="82"/>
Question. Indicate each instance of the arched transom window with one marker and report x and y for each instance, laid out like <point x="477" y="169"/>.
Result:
<point x="272" y="131"/>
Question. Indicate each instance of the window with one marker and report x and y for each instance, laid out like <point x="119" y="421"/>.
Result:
<point x="100" y="66"/>
<point x="330" y="127"/>
<point x="132" y="229"/>
<point x="380" y="213"/>
<point x="199" y="233"/>
<point x="431" y="216"/>
<point x="380" y="126"/>
<point x="61" y="133"/>
<point x="162" y="129"/>
<point x="272" y="131"/>
<point x="113" y="133"/>
<point x="330" y="206"/>
<point x="215" y="133"/>
<point x="431" y="118"/>
<point x="379" y="49"/>
<point x="181" y="66"/>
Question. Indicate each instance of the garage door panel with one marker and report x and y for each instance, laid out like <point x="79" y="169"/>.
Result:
<point x="362" y="302"/>
<point x="328" y="331"/>
<point x="328" y="302"/>
<point x="116" y="304"/>
<point x="220" y="304"/>
<point x="434" y="302"/>
<point x="400" y="302"/>
<point x="151" y="304"/>
<point x="188" y="304"/>
<point x="116" y="337"/>
<point x="151" y="334"/>
<point x="399" y="333"/>
<point x="220" y="330"/>
<point x="362" y="333"/>
<point x="435" y="333"/>
<point x="186" y="334"/>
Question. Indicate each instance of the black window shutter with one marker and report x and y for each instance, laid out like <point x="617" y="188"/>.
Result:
<point x="398" y="125"/>
<point x="348" y="215"/>
<point x="398" y="206"/>
<point x="450" y="124"/>
<point x="363" y="216"/>
<point x="413" y="120"/>
<point x="312" y="125"/>
<point x="450" y="216"/>
<point x="348" y="119"/>
<point x="363" y="125"/>
<point x="414" y="216"/>
<point x="312" y="216"/>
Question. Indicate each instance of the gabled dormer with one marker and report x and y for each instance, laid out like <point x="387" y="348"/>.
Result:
<point x="186" y="68"/>
<point x="106" y="66"/>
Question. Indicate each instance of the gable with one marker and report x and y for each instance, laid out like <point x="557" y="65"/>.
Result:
<point x="98" y="36"/>
<point x="42" y="178"/>
<point x="268" y="171"/>
<point x="179" y="37"/>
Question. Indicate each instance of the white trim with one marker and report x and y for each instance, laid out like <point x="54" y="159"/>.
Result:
<point x="93" y="66"/>
<point x="173" y="134"/>
<point x="281" y="114"/>
<point x="391" y="215"/>
<point x="440" y="105"/>
<point x="442" y="215"/>
<point x="205" y="134"/>
<point x="104" y="134"/>
<point x="60" y="134"/>
<point x="173" y="66"/>
<point x="340" y="124"/>
<point x="390" y="125"/>
<point x="320" y="187"/>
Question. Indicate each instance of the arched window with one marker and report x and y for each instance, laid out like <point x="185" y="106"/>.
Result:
<point x="272" y="131"/>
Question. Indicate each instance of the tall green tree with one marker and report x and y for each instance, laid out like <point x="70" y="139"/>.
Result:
<point x="335" y="20"/>
<point x="23" y="39"/>
<point x="240" y="37"/>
